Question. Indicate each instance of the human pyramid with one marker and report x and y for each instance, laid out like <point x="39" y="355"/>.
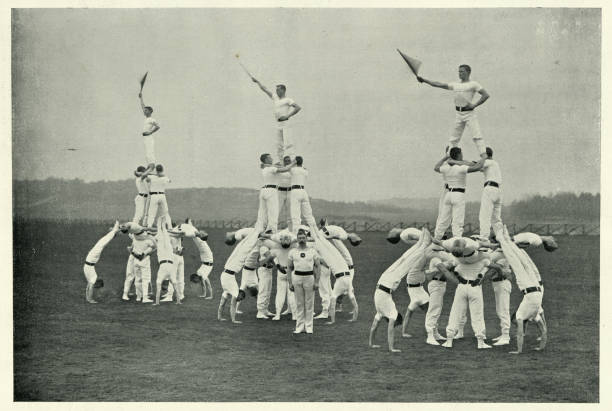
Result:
<point x="304" y="256"/>
<point x="307" y="256"/>
<point x="468" y="262"/>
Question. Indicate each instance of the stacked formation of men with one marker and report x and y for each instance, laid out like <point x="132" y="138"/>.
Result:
<point x="307" y="256"/>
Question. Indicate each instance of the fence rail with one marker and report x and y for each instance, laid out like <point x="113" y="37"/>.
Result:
<point x="368" y="226"/>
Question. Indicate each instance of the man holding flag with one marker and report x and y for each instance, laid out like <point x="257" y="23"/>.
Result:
<point x="150" y="126"/>
<point x="465" y="115"/>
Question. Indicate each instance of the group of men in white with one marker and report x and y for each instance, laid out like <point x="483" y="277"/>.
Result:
<point x="307" y="256"/>
<point x="468" y="262"/>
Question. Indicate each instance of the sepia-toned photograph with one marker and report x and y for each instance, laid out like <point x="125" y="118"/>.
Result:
<point x="289" y="204"/>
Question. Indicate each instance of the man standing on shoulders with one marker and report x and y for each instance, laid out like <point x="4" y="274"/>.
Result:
<point x="491" y="201"/>
<point x="284" y="109"/>
<point x="300" y="203"/>
<point x="150" y="126"/>
<point x="453" y="206"/>
<point x="465" y="115"/>
<point x="267" y="215"/>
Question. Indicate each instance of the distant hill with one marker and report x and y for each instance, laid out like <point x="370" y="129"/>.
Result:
<point x="75" y="199"/>
<point x="544" y="209"/>
<point x="103" y="200"/>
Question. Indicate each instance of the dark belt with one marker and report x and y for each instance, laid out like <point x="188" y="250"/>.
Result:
<point x="297" y="187"/>
<point x="269" y="186"/>
<point x="284" y="188"/>
<point x="414" y="285"/>
<point x="458" y="190"/>
<point x="471" y="254"/>
<point x="141" y="194"/>
<point x="443" y="279"/>
<point x="341" y="274"/>
<point x="269" y="266"/>
<point x="88" y="263"/>
<point x="165" y="261"/>
<point x="464" y="281"/>
<point x="281" y="268"/>
<point x="541" y="283"/>
<point x="463" y="108"/>
<point x="296" y="272"/>
<point x="383" y="288"/>
<point x="446" y="186"/>
<point x="159" y="192"/>
<point x="248" y="268"/>
<point x="495" y="280"/>
<point x="230" y="272"/>
<point x="207" y="263"/>
<point x="530" y="290"/>
<point x="350" y="267"/>
<point x="491" y="183"/>
<point x="136" y="255"/>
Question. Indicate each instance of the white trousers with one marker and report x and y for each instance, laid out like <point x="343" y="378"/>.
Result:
<point x="284" y="207"/>
<point x="467" y="296"/>
<point x="325" y="288"/>
<point x="436" y="290"/>
<point x="158" y="205"/>
<point x="139" y="208"/>
<point x="264" y="289"/>
<point x="267" y="215"/>
<point x="453" y="209"/>
<point x="284" y="293"/>
<point x="90" y="273"/>
<point x="300" y="207"/>
<point x="284" y="143"/>
<point x="149" y="144"/>
<point x="304" y="299"/>
<point x="179" y="267"/>
<point x="490" y="210"/>
<point x="530" y="306"/>
<point x="129" y="275"/>
<point x="502" y="290"/>
<point x="142" y="275"/>
<point x="248" y="279"/>
<point x="463" y="119"/>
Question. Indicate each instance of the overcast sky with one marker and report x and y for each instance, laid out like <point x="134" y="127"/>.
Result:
<point x="367" y="130"/>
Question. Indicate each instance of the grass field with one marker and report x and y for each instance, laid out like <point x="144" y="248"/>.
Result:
<point x="68" y="350"/>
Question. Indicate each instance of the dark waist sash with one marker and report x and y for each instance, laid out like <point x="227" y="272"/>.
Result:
<point x="458" y="190"/>
<point x="491" y="183"/>
<point x="296" y="272"/>
<point x="414" y="285"/>
<point x="338" y="275"/>
<point x="165" y="261"/>
<point x="297" y="187"/>
<point x="531" y="290"/>
<point x="464" y="281"/>
<point x="230" y="272"/>
<point x="284" y="188"/>
<point x="88" y="263"/>
<point x="463" y="108"/>
<point x="383" y="288"/>
<point x="207" y="263"/>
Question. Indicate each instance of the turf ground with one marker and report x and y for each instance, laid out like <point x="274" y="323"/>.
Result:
<point x="68" y="350"/>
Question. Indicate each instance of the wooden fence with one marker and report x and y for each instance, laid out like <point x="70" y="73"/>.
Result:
<point x="365" y="226"/>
